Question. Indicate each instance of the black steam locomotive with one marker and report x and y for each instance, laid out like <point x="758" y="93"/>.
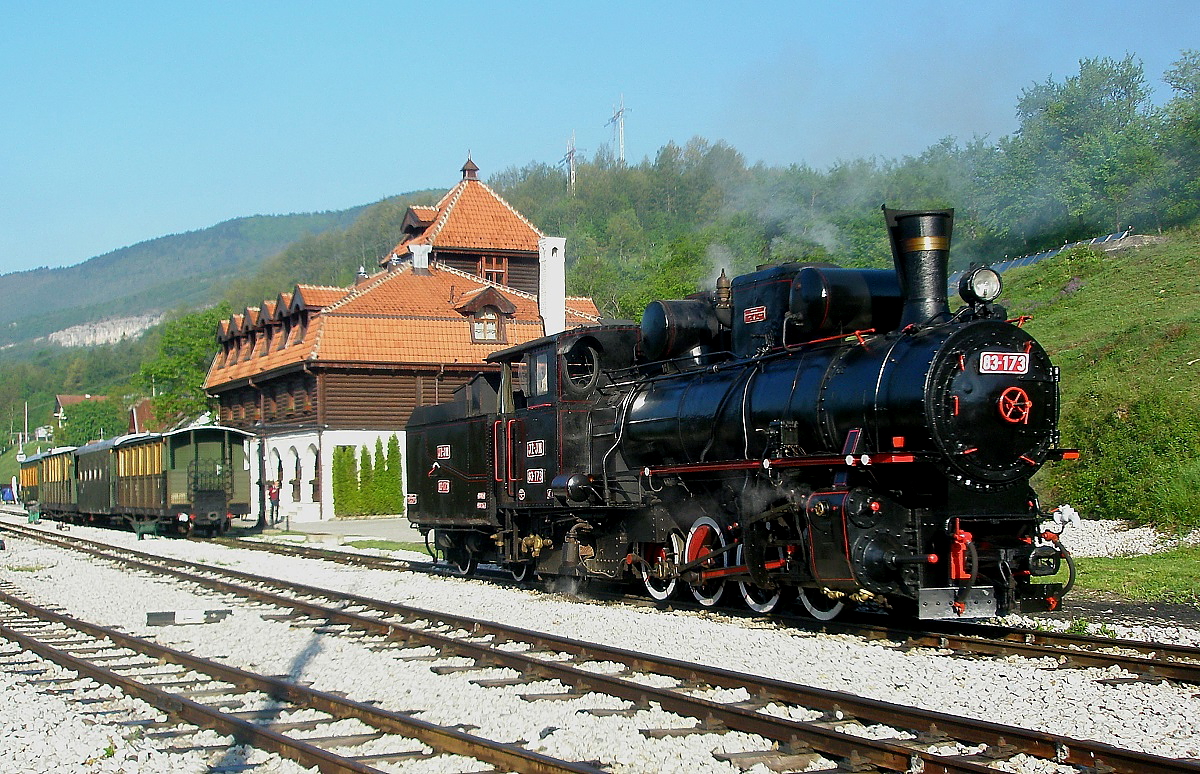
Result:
<point x="836" y="433"/>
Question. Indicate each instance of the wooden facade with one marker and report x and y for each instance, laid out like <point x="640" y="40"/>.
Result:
<point x="342" y="397"/>
<point x="360" y="398"/>
<point x="519" y="271"/>
<point x="285" y="398"/>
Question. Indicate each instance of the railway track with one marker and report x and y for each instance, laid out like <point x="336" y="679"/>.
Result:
<point x="1147" y="659"/>
<point x="252" y="708"/>
<point x="800" y="725"/>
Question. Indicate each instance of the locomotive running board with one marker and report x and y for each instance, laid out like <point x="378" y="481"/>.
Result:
<point x="938" y="603"/>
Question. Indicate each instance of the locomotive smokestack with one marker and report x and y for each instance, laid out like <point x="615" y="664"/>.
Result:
<point x="921" y="250"/>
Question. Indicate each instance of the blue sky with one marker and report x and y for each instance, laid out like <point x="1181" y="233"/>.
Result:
<point x="125" y="121"/>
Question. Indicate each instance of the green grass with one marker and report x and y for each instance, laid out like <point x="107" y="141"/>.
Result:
<point x="27" y="567"/>
<point x="8" y="460"/>
<point x="1125" y="330"/>
<point x="388" y="545"/>
<point x="1169" y="576"/>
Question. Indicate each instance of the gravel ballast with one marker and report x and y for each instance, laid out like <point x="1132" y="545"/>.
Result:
<point x="1032" y="693"/>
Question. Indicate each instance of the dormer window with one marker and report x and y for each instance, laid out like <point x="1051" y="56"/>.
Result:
<point x="286" y="333"/>
<point x="486" y="309"/>
<point x="487" y="325"/>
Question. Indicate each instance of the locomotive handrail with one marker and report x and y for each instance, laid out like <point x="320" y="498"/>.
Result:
<point x="722" y="356"/>
<point x="632" y="375"/>
<point x="858" y="334"/>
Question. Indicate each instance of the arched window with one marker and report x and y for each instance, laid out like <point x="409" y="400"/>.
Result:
<point x="315" y="456"/>
<point x="297" y="476"/>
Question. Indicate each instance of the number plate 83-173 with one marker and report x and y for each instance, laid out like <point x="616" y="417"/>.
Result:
<point x="1003" y="363"/>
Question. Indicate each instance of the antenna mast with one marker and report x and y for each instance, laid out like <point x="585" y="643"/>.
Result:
<point x="617" y="122"/>
<point x="569" y="161"/>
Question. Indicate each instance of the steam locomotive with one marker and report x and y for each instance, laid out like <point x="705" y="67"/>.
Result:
<point x="804" y="430"/>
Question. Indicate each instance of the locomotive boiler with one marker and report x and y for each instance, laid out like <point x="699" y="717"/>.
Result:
<point x="836" y="434"/>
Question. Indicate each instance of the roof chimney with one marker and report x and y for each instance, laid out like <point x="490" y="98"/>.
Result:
<point x="362" y="275"/>
<point x="469" y="170"/>
<point x="552" y="284"/>
<point x="420" y="258"/>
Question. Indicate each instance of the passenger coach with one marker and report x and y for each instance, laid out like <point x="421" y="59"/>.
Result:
<point x="191" y="480"/>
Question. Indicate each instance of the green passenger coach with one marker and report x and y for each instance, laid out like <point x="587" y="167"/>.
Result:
<point x="193" y="480"/>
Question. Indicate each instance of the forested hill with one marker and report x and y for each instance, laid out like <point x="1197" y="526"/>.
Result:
<point x="159" y="275"/>
<point x="1092" y="155"/>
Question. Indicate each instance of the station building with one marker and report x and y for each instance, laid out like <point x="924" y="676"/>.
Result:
<point x="320" y="367"/>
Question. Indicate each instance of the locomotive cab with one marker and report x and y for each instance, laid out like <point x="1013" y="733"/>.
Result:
<point x="514" y="447"/>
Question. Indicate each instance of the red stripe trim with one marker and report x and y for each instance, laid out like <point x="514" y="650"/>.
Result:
<point x="822" y="460"/>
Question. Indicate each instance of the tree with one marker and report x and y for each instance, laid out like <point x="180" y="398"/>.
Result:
<point x="345" y="481"/>
<point x="175" y="374"/>
<point x="1180" y="196"/>
<point x="379" y="483"/>
<point x="395" y="484"/>
<point x="366" y="480"/>
<point x="94" y="420"/>
<point x="1077" y="165"/>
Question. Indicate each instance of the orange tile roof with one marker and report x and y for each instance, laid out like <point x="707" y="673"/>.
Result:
<point x="316" y="296"/>
<point x="582" y="308"/>
<point x="71" y="400"/>
<point x="471" y="216"/>
<point x="399" y="317"/>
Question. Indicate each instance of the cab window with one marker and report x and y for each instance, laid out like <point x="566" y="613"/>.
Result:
<point x="538" y="374"/>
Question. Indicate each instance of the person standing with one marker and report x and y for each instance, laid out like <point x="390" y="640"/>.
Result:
<point x="273" y="496"/>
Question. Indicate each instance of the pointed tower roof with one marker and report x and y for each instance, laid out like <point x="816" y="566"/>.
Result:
<point x="470" y="217"/>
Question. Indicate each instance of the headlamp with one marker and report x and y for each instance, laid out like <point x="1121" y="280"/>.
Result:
<point x="980" y="284"/>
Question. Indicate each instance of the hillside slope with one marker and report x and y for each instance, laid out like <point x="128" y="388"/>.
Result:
<point x="152" y="276"/>
<point x="1125" y="330"/>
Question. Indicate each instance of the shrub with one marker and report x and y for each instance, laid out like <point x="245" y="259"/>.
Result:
<point x="366" y="486"/>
